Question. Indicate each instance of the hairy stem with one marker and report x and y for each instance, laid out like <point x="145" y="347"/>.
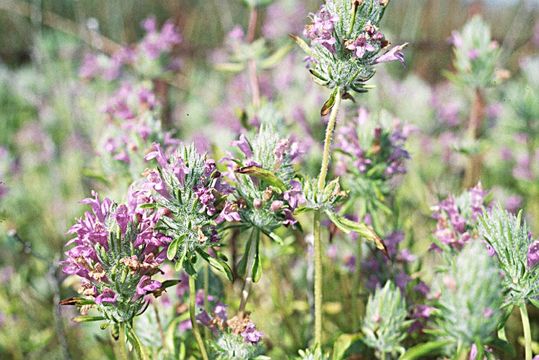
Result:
<point x="475" y="122"/>
<point x="327" y="141"/>
<point x="251" y="64"/>
<point x="317" y="281"/>
<point x="194" y="324"/>
<point x="122" y="342"/>
<point x="316" y="224"/>
<point x="527" y="331"/>
<point x="253" y="245"/>
<point x="355" y="285"/>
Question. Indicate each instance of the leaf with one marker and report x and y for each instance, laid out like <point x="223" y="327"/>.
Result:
<point x="534" y="302"/>
<point x="257" y="267"/>
<point x="77" y="301"/>
<point x="148" y="206"/>
<point x="230" y="67"/>
<point x="276" y="57"/>
<point x="361" y="229"/>
<point x="135" y="341"/>
<point x="273" y="236"/>
<point x="342" y="344"/>
<point x="301" y="43"/>
<point x="328" y="104"/>
<point x="217" y="263"/>
<point x="504" y="346"/>
<point x="242" y="265"/>
<point x="348" y="96"/>
<point x="87" y="318"/>
<point x="173" y="248"/>
<point x="263" y="174"/>
<point x="421" y="350"/>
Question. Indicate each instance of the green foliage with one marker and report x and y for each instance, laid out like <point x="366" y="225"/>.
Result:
<point x="476" y="55"/>
<point x="510" y="237"/>
<point x="233" y="347"/>
<point x="469" y="306"/>
<point x="385" y="325"/>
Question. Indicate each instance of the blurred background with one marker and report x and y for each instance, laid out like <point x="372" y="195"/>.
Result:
<point x="49" y="118"/>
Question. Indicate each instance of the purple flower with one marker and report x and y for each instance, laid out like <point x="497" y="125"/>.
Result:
<point x="394" y="54"/>
<point x="229" y="213"/>
<point x="361" y="46"/>
<point x="321" y="30"/>
<point x="147" y="285"/>
<point x="244" y="145"/>
<point x="294" y="196"/>
<point x="533" y="254"/>
<point x="251" y="335"/>
<point x="107" y="296"/>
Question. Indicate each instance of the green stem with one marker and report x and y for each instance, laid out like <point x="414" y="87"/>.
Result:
<point x="317" y="281"/>
<point x="355" y="285"/>
<point x="253" y="240"/>
<point x="122" y="342"/>
<point x="527" y="331"/>
<point x="316" y="224"/>
<point x="194" y="324"/>
<point x="327" y="141"/>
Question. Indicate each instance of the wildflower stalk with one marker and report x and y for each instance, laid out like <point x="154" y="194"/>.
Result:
<point x="159" y="324"/>
<point x="253" y="244"/>
<point x="122" y="349"/>
<point x="251" y="65"/>
<point x="477" y="114"/>
<point x="355" y="284"/>
<point x="327" y="141"/>
<point x="527" y="331"/>
<point x="194" y="324"/>
<point x="316" y="229"/>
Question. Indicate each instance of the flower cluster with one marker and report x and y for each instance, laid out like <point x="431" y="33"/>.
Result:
<point x="385" y="321"/>
<point x="457" y="218"/>
<point x="217" y="320"/>
<point x="469" y="299"/>
<point x="132" y="114"/>
<point x="370" y="149"/>
<point x="346" y="43"/>
<point x="476" y="55"/>
<point x="379" y="269"/>
<point x="147" y="57"/>
<point x="516" y="251"/>
<point x="116" y="251"/>
<point x="189" y="188"/>
<point x="266" y="192"/>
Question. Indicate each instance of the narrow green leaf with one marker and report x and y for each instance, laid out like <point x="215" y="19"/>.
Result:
<point x="173" y="249"/>
<point x="276" y="57"/>
<point x="301" y="43"/>
<point x="137" y="345"/>
<point x="87" y="318"/>
<point x="361" y="229"/>
<point x="263" y="174"/>
<point x="422" y="350"/>
<point x="326" y="108"/>
<point x="342" y="344"/>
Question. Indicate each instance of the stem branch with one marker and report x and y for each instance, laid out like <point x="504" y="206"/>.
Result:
<point x="122" y="339"/>
<point x="527" y="331"/>
<point x="316" y="223"/>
